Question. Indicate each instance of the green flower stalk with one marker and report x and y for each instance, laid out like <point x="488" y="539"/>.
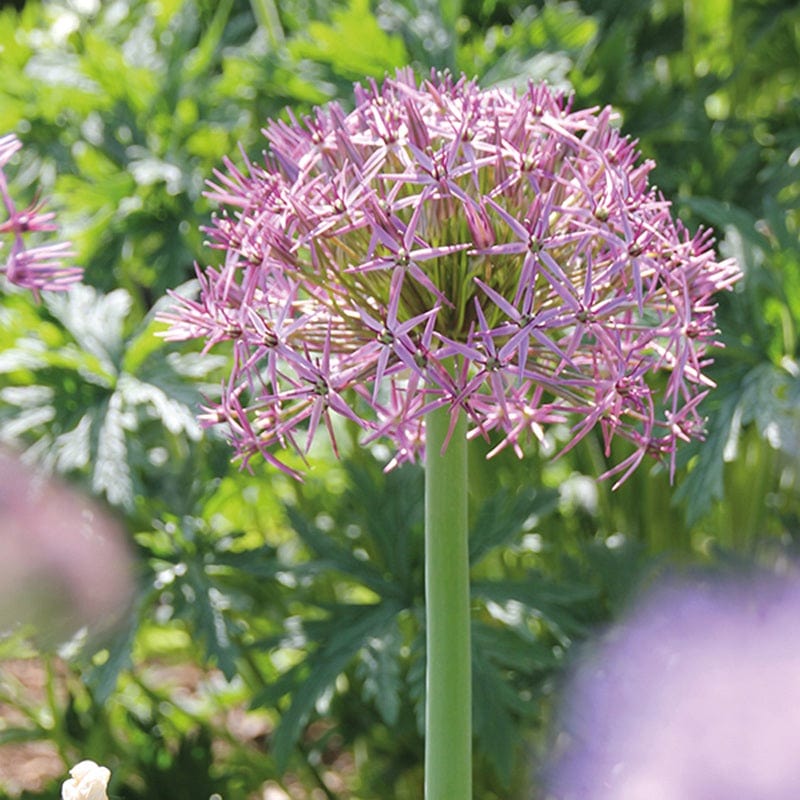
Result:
<point x="448" y="708"/>
<point x="444" y="263"/>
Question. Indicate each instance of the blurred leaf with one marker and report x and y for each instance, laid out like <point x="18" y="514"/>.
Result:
<point x="493" y="722"/>
<point x="497" y="706"/>
<point x="204" y="54"/>
<point x="724" y="215"/>
<point x="428" y="31"/>
<point x="704" y="484"/>
<point x="379" y="669"/>
<point x="450" y="11"/>
<point x="353" y="43"/>
<point x="542" y="44"/>
<point x="338" y="640"/>
<point x="102" y="679"/>
<point x="212" y="624"/>
<point x="78" y="408"/>
<point x="21" y="735"/>
<point x="329" y="554"/>
<point x="550" y="600"/>
<point x="388" y="509"/>
<point x="502" y="516"/>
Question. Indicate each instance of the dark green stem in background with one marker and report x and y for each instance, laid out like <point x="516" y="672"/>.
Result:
<point x="448" y="710"/>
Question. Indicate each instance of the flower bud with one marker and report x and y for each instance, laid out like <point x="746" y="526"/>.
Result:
<point x="480" y="226"/>
<point x="88" y="781"/>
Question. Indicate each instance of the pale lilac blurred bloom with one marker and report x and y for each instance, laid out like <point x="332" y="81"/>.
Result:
<point x="64" y="562"/>
<point x="31" y="266"/>
<point x="439" y="224"/>
<point x="696" y="696"/>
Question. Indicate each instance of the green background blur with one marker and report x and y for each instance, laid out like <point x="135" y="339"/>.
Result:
<point x="275" y="647"/>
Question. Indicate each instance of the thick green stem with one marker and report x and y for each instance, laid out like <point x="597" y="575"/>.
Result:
<point x="448" y="711"/>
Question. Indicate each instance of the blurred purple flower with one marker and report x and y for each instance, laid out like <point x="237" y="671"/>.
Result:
<point x="441" y="224"/>
<point x="64" y="563"/>
<point x="695" y="697"/>
<point x="33" y="267"/>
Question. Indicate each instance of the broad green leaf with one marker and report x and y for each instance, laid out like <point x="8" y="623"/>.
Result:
<point x="764" y="397"/>
<point x="514" y="647"/>
<point x="261" y="561"/>
<point x="110" y="467"/>
<point x="209" y="605"/>
<point x="493" y="725"/>
<point x="103" y="61"/>
<point x="82" y="404"/>
<point x="724" y="215"/>
<point x="176" y="416"/>
<point x="704" y="483"/>
<point x="340" y="640"/>
<point x="493" y="721"/>
<point x="501" y="518"/>
<point x="388" y="508"/>
<point x="549" y="599"/>
<point x="353" y="43"/>
<point x="329" y="553"/>
<point x="95" y="321"/>
<point x="379" y="669"/>
<point x="102" y="679"/>
<point x="540" y="44"/>
<point x="508" y="673"/>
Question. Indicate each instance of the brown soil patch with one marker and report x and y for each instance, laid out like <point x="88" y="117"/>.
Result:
<point x="25" y="766"/>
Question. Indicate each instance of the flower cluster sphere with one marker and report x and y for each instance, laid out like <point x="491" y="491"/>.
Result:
<point x="498" y="254"/>
<point x="33" y="267"/>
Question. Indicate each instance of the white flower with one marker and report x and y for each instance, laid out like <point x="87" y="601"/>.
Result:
<point x="88" y="782"/>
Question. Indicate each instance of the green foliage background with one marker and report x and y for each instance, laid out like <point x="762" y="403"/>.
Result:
<point x="304" y="602"/>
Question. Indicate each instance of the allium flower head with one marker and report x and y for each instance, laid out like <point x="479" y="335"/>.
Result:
<point x="495" y="253"/>
<point x="695" y="697"/>
<point x="33" y="267"/>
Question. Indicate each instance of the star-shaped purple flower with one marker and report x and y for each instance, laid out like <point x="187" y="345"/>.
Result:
<point x="31" y="266"/>
<point x="491" y="252"/>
